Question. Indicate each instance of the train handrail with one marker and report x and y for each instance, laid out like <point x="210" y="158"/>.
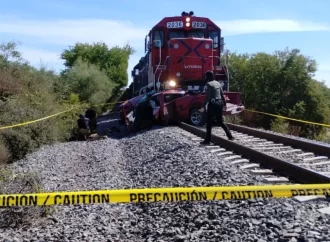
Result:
<point x="160" y="60"/>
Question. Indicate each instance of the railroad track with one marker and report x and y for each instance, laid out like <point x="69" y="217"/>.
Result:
<point x="278" y="158"/>
<point x="300" y="152"/>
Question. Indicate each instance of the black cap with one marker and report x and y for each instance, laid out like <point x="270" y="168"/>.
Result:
<point x="209" y="76"/>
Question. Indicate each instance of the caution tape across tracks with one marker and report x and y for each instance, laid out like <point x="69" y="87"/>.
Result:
<point x="293" y="119"/>
<point x="163" y="195"/>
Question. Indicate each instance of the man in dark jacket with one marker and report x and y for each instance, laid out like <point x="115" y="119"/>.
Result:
<point x="91" y="115"/>
<point x="83" y="127"/>
<point x="144" y="112"/>
<point x="214" y="103"/>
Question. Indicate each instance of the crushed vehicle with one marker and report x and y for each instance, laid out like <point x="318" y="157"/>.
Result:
<point x="172" y="106"/>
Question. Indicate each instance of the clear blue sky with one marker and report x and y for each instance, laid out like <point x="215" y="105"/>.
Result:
<point x="46" y="27"/>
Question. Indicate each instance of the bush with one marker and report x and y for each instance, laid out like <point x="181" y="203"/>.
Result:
<point x="233" y="119"/>
<point x="27" y="94"/>
<point x="30" y="95"/>
<point x="24" y="139"/>
<point x="87" y="81"/>
<point x="280" y="126"/>
<point x="250" y="119"/>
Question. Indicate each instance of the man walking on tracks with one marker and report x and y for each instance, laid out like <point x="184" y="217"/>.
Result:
<point x="214" y="103"/>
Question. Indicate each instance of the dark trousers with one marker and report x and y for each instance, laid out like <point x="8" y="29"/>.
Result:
<point x="143" y="116"/>
<point x="214" y="111"/>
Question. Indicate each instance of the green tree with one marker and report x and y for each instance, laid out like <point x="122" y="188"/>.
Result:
<point x="87" y="81"/>
<point x="114" y="61"/>
<point x="27" y="93"/>
<point x="280" y="83"/>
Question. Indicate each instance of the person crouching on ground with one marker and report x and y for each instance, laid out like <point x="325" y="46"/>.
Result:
<point x="83" y="127"/>
<point x="214" y="103"/>
<point x="91" y="115"/>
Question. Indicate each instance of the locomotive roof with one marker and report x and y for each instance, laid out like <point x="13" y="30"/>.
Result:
<point x="163" y="23"/>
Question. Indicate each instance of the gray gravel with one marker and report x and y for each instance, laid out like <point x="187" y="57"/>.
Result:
<point x="158" y="158"/>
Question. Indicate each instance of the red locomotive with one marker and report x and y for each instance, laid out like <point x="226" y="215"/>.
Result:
<point x="179" y="50"/>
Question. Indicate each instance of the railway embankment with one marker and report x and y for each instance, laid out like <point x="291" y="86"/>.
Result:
<point x="161" y="157"/>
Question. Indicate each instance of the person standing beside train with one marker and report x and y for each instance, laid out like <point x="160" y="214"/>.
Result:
<point x="214" y="103"/>
<point x="144" y="112"/>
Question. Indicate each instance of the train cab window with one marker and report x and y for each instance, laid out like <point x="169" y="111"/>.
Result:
<point x="196" y="34"/>
<point x="214" y="35"/>
<point x="175" y="34"/>
<point x="158" y="39"/>
<point x="171" y="97"/>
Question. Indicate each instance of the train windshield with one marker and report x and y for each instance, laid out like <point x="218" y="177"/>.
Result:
<point x="196" y="34"/>
<point x="176" y="34"/>
<point x="182" y="34"/>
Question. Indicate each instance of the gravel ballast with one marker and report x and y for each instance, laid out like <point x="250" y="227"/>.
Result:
<point x="162" y="157"/>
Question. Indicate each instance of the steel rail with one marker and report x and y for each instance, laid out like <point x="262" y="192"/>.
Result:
<point x="280" y="166"/>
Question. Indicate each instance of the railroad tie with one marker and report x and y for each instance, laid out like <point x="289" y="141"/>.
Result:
<point x="232" y="157"/>
<point x="225" y="153"/>
<point x="249" y="166"/>
<point x="217" y="150"/>
<point x="289" y="151"/>
<point x="315" y="158"/>
<point x="262" y="172"/>
<point x="318" y="163"/>
<point x="275" y="180"/>
<point x="240" y="161"/>
<point x="211" y="146"/>
<point x="196" y="139"/>
<point x="305" y="154"/>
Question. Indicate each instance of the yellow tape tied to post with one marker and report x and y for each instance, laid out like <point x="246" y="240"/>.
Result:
<point x="163" y="195"/>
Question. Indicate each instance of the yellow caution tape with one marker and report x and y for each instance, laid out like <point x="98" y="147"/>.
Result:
<point x="298" y="120"/>
<point x="95" y="105"/>
<point x="48" y="117"/>
<point x="163" y="195"/>
<point x="34" y="121"/>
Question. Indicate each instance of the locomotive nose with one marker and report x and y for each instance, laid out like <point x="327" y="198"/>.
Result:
<point x="189" y="58"/>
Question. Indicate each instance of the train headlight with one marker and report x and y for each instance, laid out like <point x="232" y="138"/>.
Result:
<point x="187" y="19"/>
<point x="172" y="83"/>
<point x="187" y="24"/>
